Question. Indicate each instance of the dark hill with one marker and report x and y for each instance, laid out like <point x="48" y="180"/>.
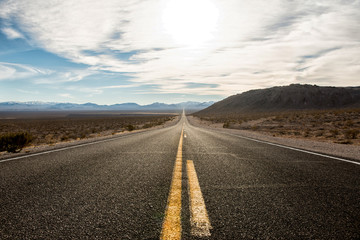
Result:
<point x="287" y="98"/>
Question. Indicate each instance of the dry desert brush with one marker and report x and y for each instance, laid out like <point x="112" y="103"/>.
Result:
<point x="13" y="142"/>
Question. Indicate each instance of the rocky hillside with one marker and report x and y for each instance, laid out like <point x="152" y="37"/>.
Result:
<point x="287" y="98"/>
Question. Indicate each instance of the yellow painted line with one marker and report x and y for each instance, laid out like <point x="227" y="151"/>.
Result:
<point x="199" y="220"/>
<point x="171" y="228"/>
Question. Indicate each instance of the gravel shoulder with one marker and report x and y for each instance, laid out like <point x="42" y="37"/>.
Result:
<point x="47" y="147"/>
<point x="334" y="149"/>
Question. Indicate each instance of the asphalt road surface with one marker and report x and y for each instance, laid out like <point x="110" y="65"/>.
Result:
<point x="119" y="189"/>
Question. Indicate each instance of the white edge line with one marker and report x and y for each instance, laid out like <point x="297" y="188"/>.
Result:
<point x="70" y="147"/>
<point x="296" y="149"/>
<point x="287" y="147"/>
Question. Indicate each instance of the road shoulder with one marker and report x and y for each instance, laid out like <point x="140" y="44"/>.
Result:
<point x="345" y="151"/>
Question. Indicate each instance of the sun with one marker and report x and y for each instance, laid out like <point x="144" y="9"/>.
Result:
<point x="190" y="22"/>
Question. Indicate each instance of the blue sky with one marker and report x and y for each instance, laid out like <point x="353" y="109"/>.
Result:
<point x="172" y="50"/>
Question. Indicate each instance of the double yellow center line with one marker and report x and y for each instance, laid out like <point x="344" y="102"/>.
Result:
<point x="200" y="224"/>
<point x="171" y="228"/>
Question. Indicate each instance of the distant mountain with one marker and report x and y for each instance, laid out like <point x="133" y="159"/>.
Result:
<point x="195" y="105"/>
<point x="293" y="97"/>
<point x="124" y="106"/>
<point x="161" y="106"/>
<point x="51" y="106"/>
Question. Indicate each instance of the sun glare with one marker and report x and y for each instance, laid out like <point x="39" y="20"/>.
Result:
<point x="190" y="22"/>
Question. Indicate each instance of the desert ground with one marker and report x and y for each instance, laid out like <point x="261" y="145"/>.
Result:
<point x="51" y="128"/>
<point x="335" y="126"/>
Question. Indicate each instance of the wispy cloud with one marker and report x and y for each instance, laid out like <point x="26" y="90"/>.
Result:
<point x="10" y="71"/>
<point x="66" y="95"/>
<point x="121" y="86"/>
<point x="11" y="33"/>
<point x="65" y="77"/>
<point x="28" y="92"/>
<point x="256" y="43"/>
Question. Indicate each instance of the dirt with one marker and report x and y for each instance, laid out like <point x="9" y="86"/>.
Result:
<point x="34" y="148"/>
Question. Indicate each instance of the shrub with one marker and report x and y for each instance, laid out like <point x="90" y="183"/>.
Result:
<point x="344" y="142"/>
<point x="226" y="125"/>
<point x="160" y="122"/>
<point x="307" y="133"/>
<point x="297" y="133"/>
<point x="148" y="125"/>
<point x="64" y="138"/>
<point x="334" y="132"/>
<point x="349" y="123"/>
<point x="13" y="142"/>
<point x="130" y="127"/>
<point x="351" y="133"/>
<point x="319" y="133"/>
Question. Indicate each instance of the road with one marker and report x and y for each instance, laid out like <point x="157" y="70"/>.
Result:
<point x="137" y="186"/>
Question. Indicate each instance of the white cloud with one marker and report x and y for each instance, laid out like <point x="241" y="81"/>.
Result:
<point x="66" y="95"/>
<point x="120" y="86"/>
<point x="256" y="43"/>
<point x="11" y="71"/>
<point x="28" y="92"/>
<point x="74" y="75"/>
<point x="11" y="33"/>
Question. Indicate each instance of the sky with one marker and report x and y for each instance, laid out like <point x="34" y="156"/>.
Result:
<point x="171" y="51"/>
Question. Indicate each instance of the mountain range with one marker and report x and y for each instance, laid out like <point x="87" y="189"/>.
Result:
<point x="287" y="98"/>
<point x="281" y="98"/>
<point x="53" y="106"/>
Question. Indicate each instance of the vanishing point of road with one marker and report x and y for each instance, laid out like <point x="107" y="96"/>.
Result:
<point x="179" y="182"/>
